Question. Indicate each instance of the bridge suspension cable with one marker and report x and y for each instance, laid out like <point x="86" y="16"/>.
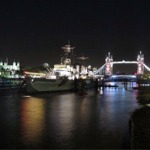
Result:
<point x="99" y="70"/>
<point x="146" y="67"/>
<point x="108" y="66"/>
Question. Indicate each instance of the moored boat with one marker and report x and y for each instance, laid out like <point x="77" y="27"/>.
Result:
<point x="48" y="85"/>
<point x="60" y="78"/>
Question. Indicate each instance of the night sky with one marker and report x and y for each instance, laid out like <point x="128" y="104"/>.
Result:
<point x="33" y="31"/>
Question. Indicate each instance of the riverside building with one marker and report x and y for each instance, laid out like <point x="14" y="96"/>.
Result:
<point x="9" y="70"/>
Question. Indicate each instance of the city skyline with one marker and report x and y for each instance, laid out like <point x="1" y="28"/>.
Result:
<point x="33" y="31"/>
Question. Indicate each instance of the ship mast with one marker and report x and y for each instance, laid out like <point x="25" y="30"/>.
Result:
<point x="68" y="50"/>
<point x="82" y="59"/>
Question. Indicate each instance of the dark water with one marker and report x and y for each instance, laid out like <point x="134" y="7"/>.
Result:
<point x="67" y="120"/>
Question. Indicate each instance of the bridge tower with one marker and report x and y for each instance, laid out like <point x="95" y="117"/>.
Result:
<point x="140" y="64"/>
<point x="108" y="64"/>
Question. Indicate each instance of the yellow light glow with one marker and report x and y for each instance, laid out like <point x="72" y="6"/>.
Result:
<point x="32" y="119"/>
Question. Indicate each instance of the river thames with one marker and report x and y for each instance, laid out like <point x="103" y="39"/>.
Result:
<point x="67" y="120"/>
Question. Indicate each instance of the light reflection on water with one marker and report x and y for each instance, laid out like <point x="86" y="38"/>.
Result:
<point x="61" y="117"/>
<point x="68" y="120"/>
<point x="32" y="119"/>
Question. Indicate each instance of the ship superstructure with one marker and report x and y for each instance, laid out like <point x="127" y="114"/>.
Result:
<point x="68" y="54"/>
<point x="65" y="68"/>
<point x="60" y="77"/>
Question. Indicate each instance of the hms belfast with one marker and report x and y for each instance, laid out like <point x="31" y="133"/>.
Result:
<point x="59" y="78"/>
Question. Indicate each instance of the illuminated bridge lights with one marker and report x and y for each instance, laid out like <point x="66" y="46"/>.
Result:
<point x="107" y="68"/>
<point x="124" y="76"/>
<point x="124" y="62"/>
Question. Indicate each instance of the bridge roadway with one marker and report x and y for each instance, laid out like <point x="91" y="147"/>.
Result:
<point x="124" y="78"/>
<point x="131" y="76"/>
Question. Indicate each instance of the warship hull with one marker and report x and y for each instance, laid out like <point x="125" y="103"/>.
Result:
<point x="34" y="85"/>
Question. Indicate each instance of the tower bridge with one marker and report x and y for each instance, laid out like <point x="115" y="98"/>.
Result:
<point x="107" y="68"/>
